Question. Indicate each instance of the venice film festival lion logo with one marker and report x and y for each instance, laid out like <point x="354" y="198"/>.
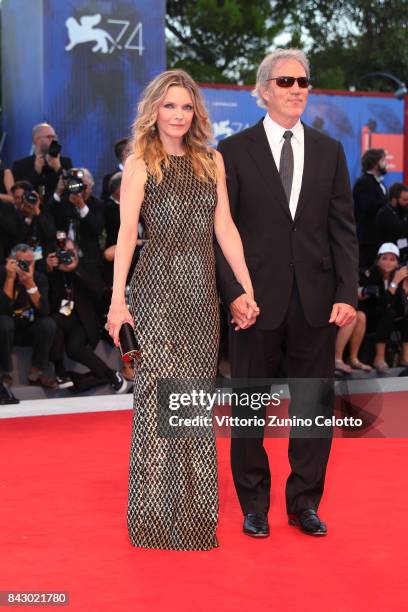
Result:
<point x="84" y="31"/>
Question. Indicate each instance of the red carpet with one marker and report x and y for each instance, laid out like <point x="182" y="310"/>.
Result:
<point x="63" y="489"/>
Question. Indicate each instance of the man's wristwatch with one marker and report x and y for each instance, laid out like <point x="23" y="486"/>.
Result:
<point x="32" y="290"/>
<point x="393" y="285"/>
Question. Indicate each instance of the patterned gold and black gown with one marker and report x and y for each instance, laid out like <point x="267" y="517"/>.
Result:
<point x="173" y="495"/>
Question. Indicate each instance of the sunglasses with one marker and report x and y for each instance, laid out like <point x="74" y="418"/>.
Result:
<point x="288" y="81"/>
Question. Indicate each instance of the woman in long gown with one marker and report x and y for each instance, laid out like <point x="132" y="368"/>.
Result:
<point x="176" y="181"/>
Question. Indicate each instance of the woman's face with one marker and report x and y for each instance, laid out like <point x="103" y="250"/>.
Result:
<point x="175" y="113"/>
<point x="387" y="262"/>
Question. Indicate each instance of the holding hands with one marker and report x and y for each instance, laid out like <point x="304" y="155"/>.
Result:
<point x="244" y="311"/>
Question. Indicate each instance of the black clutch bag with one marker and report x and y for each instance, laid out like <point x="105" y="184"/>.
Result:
<point x="128" y="344"/>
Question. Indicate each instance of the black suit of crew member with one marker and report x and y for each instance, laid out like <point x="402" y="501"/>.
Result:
<point x="369" y="194"/>
<point x="290" y="197"/>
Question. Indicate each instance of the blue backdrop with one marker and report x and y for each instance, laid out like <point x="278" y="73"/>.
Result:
<point x="357" y="121"/>
<point x="81" y="66"/>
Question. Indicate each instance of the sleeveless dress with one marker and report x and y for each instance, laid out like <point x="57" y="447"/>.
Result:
<point x="173" y="494"/>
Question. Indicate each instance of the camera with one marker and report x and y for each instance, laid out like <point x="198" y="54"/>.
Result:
<point x="54" y="149"/>
<point x="23" y="265"/>
<point x="73" y="180"/>
<point x="65" y="256"/>
<point x="370" y="291"/>
<point x="30" y="197"/>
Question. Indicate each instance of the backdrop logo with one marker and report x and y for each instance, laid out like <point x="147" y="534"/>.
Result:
<point x="84" y="31"/>
<point x="225" y="128"/>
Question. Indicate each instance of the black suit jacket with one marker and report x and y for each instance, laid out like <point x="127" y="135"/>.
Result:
<point x="319" y="246"/>
<point x="392" y="223"/>
<point x="368" y="199"/>
<point x="87" y="229"/>
<point x="9" y="229"/>
<point x="88" y="290"/>
<point x="24" y="170"/>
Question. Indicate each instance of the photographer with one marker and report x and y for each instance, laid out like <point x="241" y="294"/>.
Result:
<point x="392" y="219"/>
<point x="43" y="168"/>
<point x="36" y="226"/>
<point x="383" y="297"/>
<point x="77" y="212"/>
<point x="74" y="289"/>
<point x="24" y="319"/>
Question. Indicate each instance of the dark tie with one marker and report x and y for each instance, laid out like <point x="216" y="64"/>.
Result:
<point x="286" y="164"/>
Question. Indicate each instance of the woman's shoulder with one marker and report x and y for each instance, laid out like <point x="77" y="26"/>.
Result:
<point x="135" y="166"/>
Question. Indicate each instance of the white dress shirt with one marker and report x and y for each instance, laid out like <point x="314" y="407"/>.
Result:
<point x="379" y="180"/>
<point x="274" y="133"/>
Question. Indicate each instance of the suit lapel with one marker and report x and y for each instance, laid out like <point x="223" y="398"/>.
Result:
<point x="260" y="151"/>
<point x="311" y="158"/>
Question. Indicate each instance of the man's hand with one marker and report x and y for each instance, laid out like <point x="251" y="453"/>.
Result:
<point x="400" y="275"/>
<point x="342" y="314"/>
<point x="77" y="200"/>
<point x="52" y="261"/>
<point x="11" y="269"/>
<point x="26" y="278"/>
<point x="54" y="162"/>
<point x="39" y="164"/>
<point x="244" y="311"/>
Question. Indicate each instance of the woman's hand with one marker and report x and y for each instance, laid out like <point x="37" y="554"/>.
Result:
<point x="400" y="275"/>
<point x="117" y="315"/>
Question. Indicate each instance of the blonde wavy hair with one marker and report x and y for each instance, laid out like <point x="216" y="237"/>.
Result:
<point x="146" y="142"/>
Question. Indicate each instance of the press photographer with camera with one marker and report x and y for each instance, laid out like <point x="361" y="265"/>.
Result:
<point x="77" y="212"/>
<point x="24" y="319"/>
<point x="75" y="289"/>
<point x="392" y="219"/>
<point x="36" y="226"/>
<point x="383" y="291"/>
<point x="43" y="168"/>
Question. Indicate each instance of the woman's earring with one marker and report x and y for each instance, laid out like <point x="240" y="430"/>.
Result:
<point x="153" y="130"/>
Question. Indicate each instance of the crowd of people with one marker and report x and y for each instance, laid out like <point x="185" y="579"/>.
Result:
<point x="57" y="245"/>
<point x="382" y="228"/>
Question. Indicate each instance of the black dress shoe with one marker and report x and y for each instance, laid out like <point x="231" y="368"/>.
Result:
<point x="308" y="522"/>
<point x="256" y="525"/>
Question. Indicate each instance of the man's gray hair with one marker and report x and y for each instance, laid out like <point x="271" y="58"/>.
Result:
<point x="88" y="178"/>
<point x="268" y="64"/>
<point x="20" y="248"/>
<point x="39" y="126"/>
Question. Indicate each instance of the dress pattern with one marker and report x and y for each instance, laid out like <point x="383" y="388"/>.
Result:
<point x="173" y="494"/>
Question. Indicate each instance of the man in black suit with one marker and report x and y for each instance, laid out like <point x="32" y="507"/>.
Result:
<point x="290" y="197"/>
<point x="122" y="150"/>
<point x="369" y="194"/>
<point x="79" y="215"/>
<point x="392" y="220"/>
<point x="42" y="169"/>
